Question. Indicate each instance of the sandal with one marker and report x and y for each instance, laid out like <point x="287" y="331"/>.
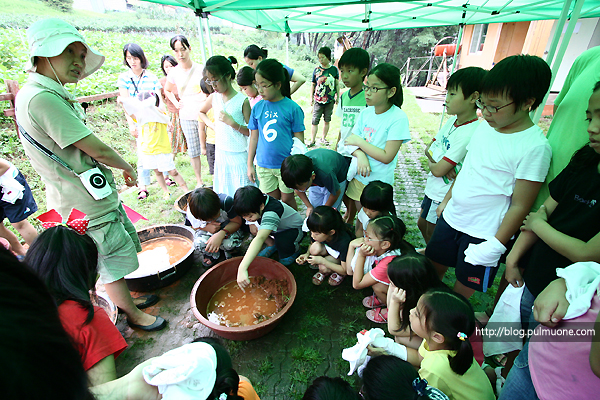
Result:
<point x="318" y="278"/>
<point x="143" y="194"/>
<point x="170" y="182"/>
<point x="335" y="279"/>
<point x="372" y="302"/>
<point x="378" y="315"/>
<point x="210" y="262"/>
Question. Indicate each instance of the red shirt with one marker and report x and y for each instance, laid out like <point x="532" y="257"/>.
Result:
<point x="94" y="341"/>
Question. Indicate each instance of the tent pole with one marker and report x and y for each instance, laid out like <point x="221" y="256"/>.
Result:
<point x="287" y="49"/>
<point x="210" y="48"/>
<point x="201" y="39"/>
<point x="559" y="28"/>
<point x="454" y="62"/>
<point x="559" y="55"/>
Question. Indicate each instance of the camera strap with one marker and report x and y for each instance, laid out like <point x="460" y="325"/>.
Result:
<point x="44" y="150"/>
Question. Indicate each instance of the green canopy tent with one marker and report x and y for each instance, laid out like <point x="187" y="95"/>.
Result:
<point x="293" y="16"/>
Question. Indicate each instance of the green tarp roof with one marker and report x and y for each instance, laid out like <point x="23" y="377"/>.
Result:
<point x="347" y="15"/>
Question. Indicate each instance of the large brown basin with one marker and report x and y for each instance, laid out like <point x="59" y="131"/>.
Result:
<point x="225" y="272"/>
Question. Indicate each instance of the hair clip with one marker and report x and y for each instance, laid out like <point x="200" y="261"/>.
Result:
<point x="420" y="385"/>
<point x="223" y="396"/>
<point x="76" y="220"/>
<point x="461" y="336"/>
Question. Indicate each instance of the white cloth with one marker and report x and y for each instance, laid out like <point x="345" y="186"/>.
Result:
<point x="450" y="144"/>
<point x="298" y="147"/>
<point x="187" y="372"/>
<point x="508" y="313"/>
<point x="377" y="129"/>
<point x="12" y="190"/>
<point x="486" y="253"/>
<point x="583" y="281"/>
<point x="483" y="190"/>
<point x="192" y="98"/>
<point x="143" y="111"/>
<point x="364" y="220"/>
<point x="357" y="354"/>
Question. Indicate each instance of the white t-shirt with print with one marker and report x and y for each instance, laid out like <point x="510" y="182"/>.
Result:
<point x="449" y="144"/>
<point x="377" y="129"/>
<point x="484" y="187"/>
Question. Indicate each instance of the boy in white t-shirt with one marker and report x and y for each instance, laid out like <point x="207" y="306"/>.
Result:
<point x="448" y="148"/>
<point x="507" y="161"/>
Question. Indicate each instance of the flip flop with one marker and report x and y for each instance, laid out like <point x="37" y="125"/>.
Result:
<point x="335" y="279"/>
<point x="372" y="302"/>
<point x="143" y="194"/>
<point x="378" y="315"/>
<point x="170" y="182"/>
<point x="318" y="278"/>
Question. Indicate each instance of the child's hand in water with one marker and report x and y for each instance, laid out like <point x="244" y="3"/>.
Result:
<point x="242" y="279"/>
<point x="302" y="258"/>
<point x="366" y="250"/>
<point x="396" y="294"/>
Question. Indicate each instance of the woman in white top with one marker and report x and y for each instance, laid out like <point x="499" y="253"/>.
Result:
<point x="186" y="78"/>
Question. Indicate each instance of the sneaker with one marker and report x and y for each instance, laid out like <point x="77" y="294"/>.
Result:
<point x="289" y="260"/>
<point x="352" y="169"/>
<point x="267" y="251"/>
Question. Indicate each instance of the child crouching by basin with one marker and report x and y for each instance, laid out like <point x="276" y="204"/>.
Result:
<point x="215" y="223"/>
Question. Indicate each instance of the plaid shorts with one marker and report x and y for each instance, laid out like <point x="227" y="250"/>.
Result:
<point x="192" y="137"/>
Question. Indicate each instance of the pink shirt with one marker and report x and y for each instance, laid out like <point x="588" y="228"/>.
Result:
<point x="561" y="369"/>
<point x="379" y="271"/>
<point x="254" y="100"/>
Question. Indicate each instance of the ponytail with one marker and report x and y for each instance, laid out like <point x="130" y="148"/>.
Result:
<point x="253" y="52"/>
<point x="451" y="315"/>
<point x="389" y="228"/>
<point x="274" y="72"/>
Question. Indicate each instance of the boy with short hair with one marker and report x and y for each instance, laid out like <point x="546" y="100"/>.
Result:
<point x="354" y="66"/>
<point x="322" y="172"/>
<point x="216" y="224"/>
<point x="448" y="148"/>
<point x="507" y="161"/>
<point x="273" y="218"/>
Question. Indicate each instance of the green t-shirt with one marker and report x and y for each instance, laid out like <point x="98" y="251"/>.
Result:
<point x="348" y="109"/>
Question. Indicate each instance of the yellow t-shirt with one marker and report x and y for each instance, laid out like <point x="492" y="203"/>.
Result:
<point x="435" y="367"/>
<point x="210" y="133"/>
<point x="155" y="139"/>
<point x="246" y="391"/>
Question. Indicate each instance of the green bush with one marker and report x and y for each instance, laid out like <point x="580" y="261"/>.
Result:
<point x="62" y="5"/>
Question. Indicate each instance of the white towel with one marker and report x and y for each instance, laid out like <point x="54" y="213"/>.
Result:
<point x="507" y="313"/>
<point x="357" y="354"/>
<point x="187" y="372"/>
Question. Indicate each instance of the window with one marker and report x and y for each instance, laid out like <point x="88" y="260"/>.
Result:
<point x="479" y="33"/>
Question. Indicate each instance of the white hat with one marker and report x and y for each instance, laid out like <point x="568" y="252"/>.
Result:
<point x="50" y="37"/>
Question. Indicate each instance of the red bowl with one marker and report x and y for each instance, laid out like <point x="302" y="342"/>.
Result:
<point x="225" y="272"/>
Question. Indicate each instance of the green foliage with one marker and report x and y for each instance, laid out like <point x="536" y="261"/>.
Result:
<point x="61" y="5"/>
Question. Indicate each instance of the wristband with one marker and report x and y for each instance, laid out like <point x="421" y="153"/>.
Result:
<point x="227" y="233"/>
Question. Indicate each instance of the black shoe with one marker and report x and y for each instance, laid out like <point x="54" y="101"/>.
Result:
<point x="148" y="301"/>
<point x="159" y="324"/>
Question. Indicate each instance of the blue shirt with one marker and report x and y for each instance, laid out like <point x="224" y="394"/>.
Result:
<point x="276" y="123"/>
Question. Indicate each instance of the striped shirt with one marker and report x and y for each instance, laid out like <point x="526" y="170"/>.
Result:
<point x="134" y="84"/>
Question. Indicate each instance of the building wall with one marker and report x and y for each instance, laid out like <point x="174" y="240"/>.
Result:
<point x="484" y="58"/>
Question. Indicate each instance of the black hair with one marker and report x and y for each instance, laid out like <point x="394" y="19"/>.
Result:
<point x="355" y="57"/>
<point x="325" y="218"/>
<point x="247" y="200"/>
<point x="391" y="229"/>
<point x="32" y="331"/>
<point x="228" y="379"/>
<point x="245" y="76"/>
<point x="586" y="157"/>
<point x="253" y="52"/>
<point x="232" y="60"/>
<point x="390" y="75"/>
<point x="468" y="79"/>
<point x="170" y="59"/>
<point x="67" y="262"/>
<point x="273" y="71"/>
<point x="204" y="203"/>
<point x="179" y="38"/>
<point x="378" y="196"/>
<point x="389" y="377"/>
<point x="414" y="273"/>
<point x="205" y="87"/>
<point x="519" y="77"/>
<point x="136" y="51"/>
<point x="326" y="51"/>
<point x="326" y="388"/>
<point x="220" y="66"/>
<point x="141" y="96"/>
<point x="296" y="170"/>
<point x="451" y="315"/>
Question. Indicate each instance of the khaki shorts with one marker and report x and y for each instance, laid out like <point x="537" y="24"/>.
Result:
<point x="270" y="179"/>
<point x="118" y="244"/>
<point x="355" y="189"/>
